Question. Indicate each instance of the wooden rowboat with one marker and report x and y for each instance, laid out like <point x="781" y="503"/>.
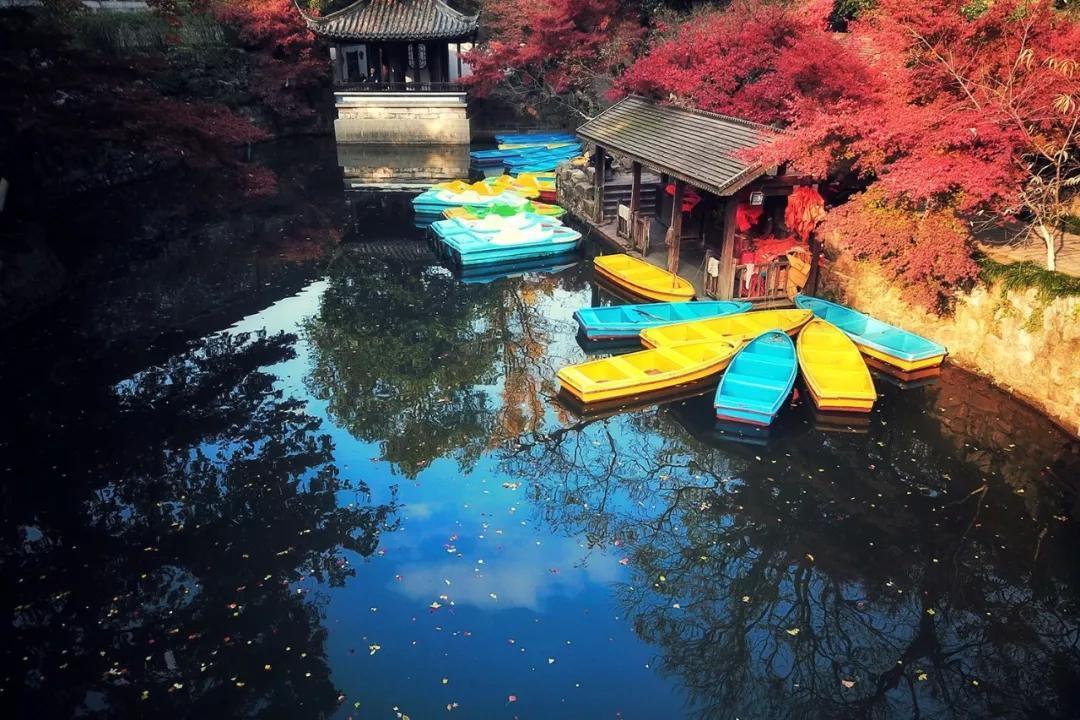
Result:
<point x="738" y="328"/>
<point x="892" y="345"/>
<point x="625" y="322"/>
<point x="643" y="279"/>
<point x="645" y="371"/>
<point x="758" y="380"/>
<point x="834" y="370"/>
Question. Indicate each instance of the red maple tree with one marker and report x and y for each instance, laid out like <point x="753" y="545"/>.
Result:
<point x="761" y="61"/>
<point x="561" y="52"/>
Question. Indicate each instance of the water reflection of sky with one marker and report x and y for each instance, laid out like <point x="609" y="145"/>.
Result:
<point x="472" y="589"/>
<point x="644" y="565"/>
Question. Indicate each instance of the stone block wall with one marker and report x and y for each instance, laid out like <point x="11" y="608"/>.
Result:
<point x="1030" y="348"/>
<point x="575" y="191"/>
<point x="388" y="118"/>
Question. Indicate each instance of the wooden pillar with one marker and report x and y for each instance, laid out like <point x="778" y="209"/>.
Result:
<point x="674" y="233"/>
<point x="726" y="281"/>
<point x="599" y="167"/>
<point x="635" y="190"/>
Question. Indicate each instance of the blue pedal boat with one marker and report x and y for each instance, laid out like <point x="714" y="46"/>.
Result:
<point x="466" y="248"/>
<point x="758" y="380"/>
<point x="897" y="348"/>
<point x="625" y="322"/>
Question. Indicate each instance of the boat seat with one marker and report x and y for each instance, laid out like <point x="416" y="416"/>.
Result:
<point x="751" y="381"/>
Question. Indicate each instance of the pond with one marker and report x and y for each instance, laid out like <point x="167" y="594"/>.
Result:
<point x="297" y="479"/>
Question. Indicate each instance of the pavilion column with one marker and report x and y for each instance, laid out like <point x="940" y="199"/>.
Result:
<point x="434" y="62"/>
<point x="674" y="233"/>
<point x="726" y="281"/>
<point x="635" y="190"/>
<point x="599" y="166"/>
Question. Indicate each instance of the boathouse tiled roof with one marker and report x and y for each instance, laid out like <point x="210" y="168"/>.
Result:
<point x="698" y="147"/>
<point x="401" y="20"/>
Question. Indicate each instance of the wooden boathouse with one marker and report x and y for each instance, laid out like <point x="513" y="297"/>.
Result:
<point x="686" y="198"/>
<point x="397" y="71"/>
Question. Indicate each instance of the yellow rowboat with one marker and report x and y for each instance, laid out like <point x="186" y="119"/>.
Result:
<point x="834" y="369"/>
<point x="645" y="371"/>
<point x="643" y="279"/>
<point x="738" y="329"/>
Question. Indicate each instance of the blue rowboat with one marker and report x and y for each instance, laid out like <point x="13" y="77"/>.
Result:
<point x="625" y="322"/>
<point x="905" y="351"/>
<point x="758" y="380"/>
<point x="540" y="137"/>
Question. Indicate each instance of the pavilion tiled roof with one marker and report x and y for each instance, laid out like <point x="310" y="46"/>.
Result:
<point x="400" y="20"/>
<point x="700" y="148"/>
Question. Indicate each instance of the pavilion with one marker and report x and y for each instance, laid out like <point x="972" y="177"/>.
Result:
<point x="397" y="69"/>
<point x="731" y="225"/>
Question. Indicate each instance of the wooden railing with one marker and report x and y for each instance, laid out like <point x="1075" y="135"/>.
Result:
<point x="762" y="281"/>
<point x="419" y="87"/>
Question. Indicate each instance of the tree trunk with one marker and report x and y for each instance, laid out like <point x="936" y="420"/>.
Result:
<point x="1051" y="250"/>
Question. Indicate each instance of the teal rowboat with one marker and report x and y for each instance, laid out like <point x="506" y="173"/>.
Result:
<point x="894" y="346"/>
<point x="758" y="380"/>
<point x="625" y="322"/>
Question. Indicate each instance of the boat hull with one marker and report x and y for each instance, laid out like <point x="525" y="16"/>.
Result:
<point x="642" y="279"/>
<point x="646" y="371"/>
<point x="895" y="347"/>
<point x="740" y="327"/>
<point x="625" y="322"/>
<point x="834" y="370"/>
<point x="758" y="381"/>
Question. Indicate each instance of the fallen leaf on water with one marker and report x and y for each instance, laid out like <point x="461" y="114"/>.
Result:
<point x="374" y="648"/>
<point x="493" y="596"/>
<point x="511" y="698"/>
<point x="746" y="598"/>
<point x="624" y="561"/>
<point x="930" y="611"/>
<point x="848" y="683"/>
<point x="793" y="632"/>
<point x="922" y="675"/>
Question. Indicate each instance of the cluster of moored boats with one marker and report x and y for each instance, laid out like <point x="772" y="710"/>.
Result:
<point x="534" y="152"/>
<point x="506" y="218"/>
<point x="755" y="355"/>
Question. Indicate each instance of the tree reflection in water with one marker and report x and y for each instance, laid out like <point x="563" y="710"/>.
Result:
<point x="830" y="575"/>
<point x="157" y="577"/>
<point x="427" y="366"/>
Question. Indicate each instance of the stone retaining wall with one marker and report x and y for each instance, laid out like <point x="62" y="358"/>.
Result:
<point x="1027" y="347"/>
<point x="402" y="118"/>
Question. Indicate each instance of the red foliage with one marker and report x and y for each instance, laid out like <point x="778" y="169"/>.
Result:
<point x="957" y="106"/>
<point x="929" y="254"/>
<point x="939" y="107"/>
<point x="566" y="49"/>
<point x="288" y="65"/>
<point x="766" y="62"/>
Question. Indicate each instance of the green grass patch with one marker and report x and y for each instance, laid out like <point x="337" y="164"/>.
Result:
<point x="1022" y="276"/>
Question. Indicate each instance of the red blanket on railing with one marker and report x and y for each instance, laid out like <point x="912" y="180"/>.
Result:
<point x="762" y="250"/>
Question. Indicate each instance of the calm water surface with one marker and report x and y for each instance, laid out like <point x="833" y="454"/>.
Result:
<point x="356" y="497"/>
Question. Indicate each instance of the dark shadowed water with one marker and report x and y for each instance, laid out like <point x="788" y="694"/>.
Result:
<point x="252" y="473"/>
